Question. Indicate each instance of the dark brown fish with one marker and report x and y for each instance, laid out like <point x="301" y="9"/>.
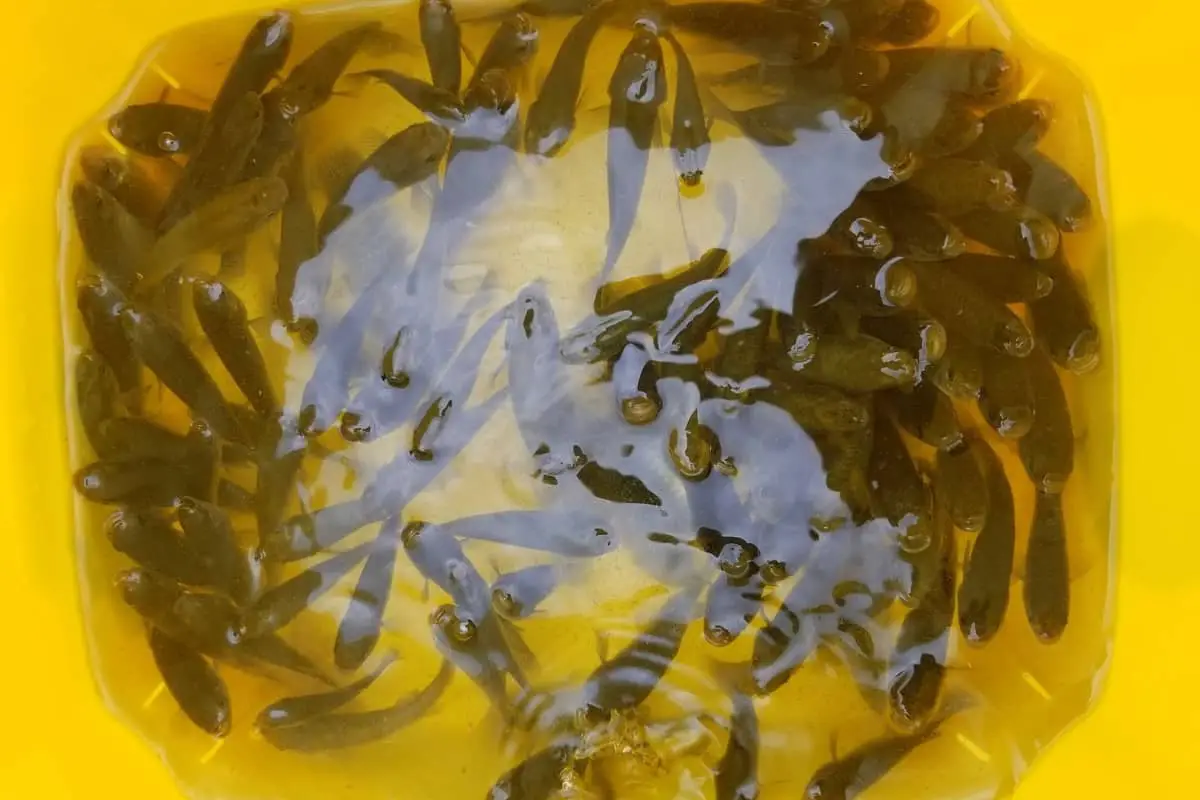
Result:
<point x="1047" y="578"/>
<point x="115" y="241"/>
<point x="638" y="88"/>
<point x="96" y="399"/>
<point x="194" y="684"/>
<point x="442" y="40"/>
<point x="363" y="622"/>
<point x="295" y="710"/>
<point x="281" y="604"/>
<point x="1048" y="449"/>
<point x="161" y="346"/>
<point x="159" y="129"/>
<point x="338" y="730"/>
<point x="100" y="303"/>
<point x="987" y="575"/>
<point x="1006" y="396"/>
<point x="1063" y="321"/>
<point x="224" y="321"/>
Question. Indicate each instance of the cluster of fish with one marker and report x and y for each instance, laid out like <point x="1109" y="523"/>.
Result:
<point x="730" y="456"/>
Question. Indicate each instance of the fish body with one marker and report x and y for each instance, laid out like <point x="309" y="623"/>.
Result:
<point x="442" y="40"/>
<point x="638" y="89"/>
<point x="194" y="684"/>
<point x="362" y="623"/>
<point x="224" y="320"/>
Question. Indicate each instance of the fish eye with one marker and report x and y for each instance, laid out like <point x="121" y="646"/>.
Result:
<point x="774" y="572"/>
<point x="505" y="603"/>
<point x="411" y="534"/>
<point x="168" y="142"/>
<point x="463" y="630"/>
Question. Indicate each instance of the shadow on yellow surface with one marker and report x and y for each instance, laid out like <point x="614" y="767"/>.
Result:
<point x="62" y="61"/>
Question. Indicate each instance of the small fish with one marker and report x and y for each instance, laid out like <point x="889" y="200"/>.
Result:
<point x="442" y="107"/>
<point x="1047" y="578"/>
<point x="849" y="776"/>
<point x="210" y="624"/>
<point x="310" y="83"/>
<point x="281" y="604"/>
<point x="792" y="635"/>
<point x="688" y="324"/>
<point x="147" y="537"/>
<point x="775" y="125"/>
<point x="457" y="638"/>
<point x="297" y="244"/>
<point x="1046" y="187"/>
<point x="920" y="335"/>
<point x="159" y="129"/>
<point x="867" y="286"/>
<point x="634" y="379"/>
<point x="442" y="40"/>
<point x="927" y="414"/>
<point x="224" y="220"/>
<point x="218" y="161"/>
<point x="1063" y="321"/>
<point x="141" y="481"/>
<point x="737" y="772"/>
<point x="194" y="684"/>
<point x="297" y="710"/>
<point x="363" y="622"/>
<point x="1022" y="233"/>
<point x="899" y="493"/>
<point x="742" y="356"/>
<point x="96" y="397"/>
<point x="615" y="486"/>
<point x="860" y="364"/>
<point x="512" y="46"/>
<point x="113" y="238"/>
<point x="263" y="53"/>
<point x="978" y="75"/>
<point x="1048" y="449"/>
<point x="277" y="139"/>
<point x="626" y="680"/>
<point x="427" y="428"/>
<point x="1006" y="395"/>
<point x="693" y="449"/>
<point x="918" y="233"/>
<point x="638" y="88"/>
<point x="140" y="186"/>
<point x="958" y="186"/>
<point x="1009" y="280"/>
<point x="162" y="348"/>
<point x="987" y="573"/>
<point x="732" y="603"/>
<point x="208" y="533"/>
<point x="962" y="487"/>
<point x="571" y="534"/>
<point x="967" y="310"/>
<point x="100" y="304"/>
<point x="551" y="117"/>
<point x="539" y="777"/>
<point x="278" y="468"/>
<point x="1014" y="127"/>
<point x="206" y="623"/>
<point x="336" y="731"/>
<point x="775" y="35"/>
<point x="440" y="558"/>
<point x="402" y="161"/>
<point x="960" y="372"/>
<point x="816" y="407"/>
<point x="517" y="595"/>
<point x="224" y="321"/>
<point x="861" y="230"/>
<point x="690" y="143"/>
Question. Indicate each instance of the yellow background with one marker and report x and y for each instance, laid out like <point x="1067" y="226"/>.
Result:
<point x="60" y="61"/>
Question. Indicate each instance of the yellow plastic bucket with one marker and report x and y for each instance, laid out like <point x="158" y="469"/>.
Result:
<point x="63" y="61"/>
